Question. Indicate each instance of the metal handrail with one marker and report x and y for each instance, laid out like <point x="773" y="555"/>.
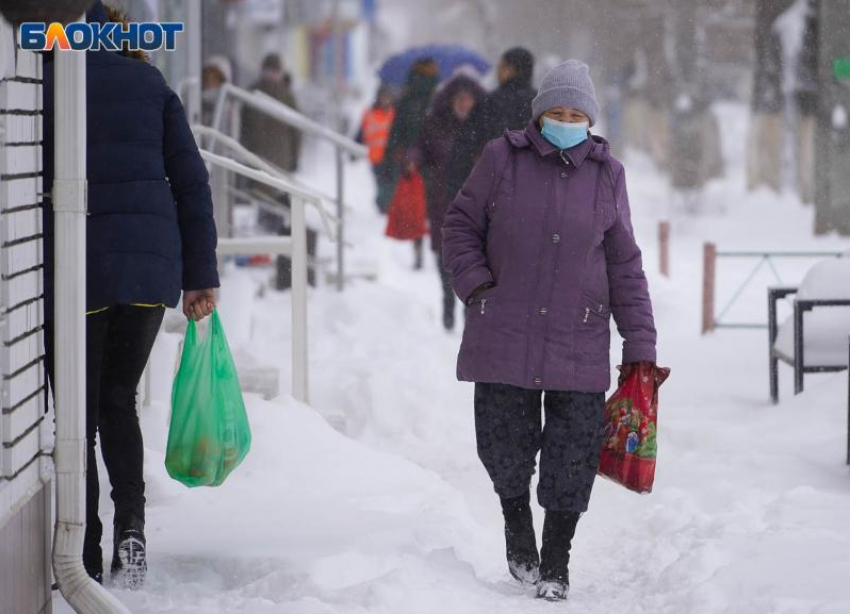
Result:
<point x="249" y="157"/>
<point x="277" y="182"/>
<point x="299" y="199"/>
<point x="289" y="116"/>
<point x="711" y="321"/>
<point x="281" y="112"/>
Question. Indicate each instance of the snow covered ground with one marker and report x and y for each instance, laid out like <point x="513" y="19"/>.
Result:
<point x="373" y="501"/>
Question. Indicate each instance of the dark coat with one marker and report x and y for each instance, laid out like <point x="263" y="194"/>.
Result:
<point x="270" y="139"/>
<point x="433" y="151"/>
<point x="409" y="117"/>
<point x="552" y="230"/>
<point x="507" y="108"/>
<point x="150" y="222"/>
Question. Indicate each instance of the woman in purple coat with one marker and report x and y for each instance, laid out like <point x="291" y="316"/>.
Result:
<point x="450" y="111"/>
<point x="540" y="246"/>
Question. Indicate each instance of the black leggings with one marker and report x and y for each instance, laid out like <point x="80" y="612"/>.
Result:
<point x="118" y="344"/>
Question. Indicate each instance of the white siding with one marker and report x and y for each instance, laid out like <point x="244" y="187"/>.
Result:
<point x="21" y="284"/>
<point x="24" y="499"/>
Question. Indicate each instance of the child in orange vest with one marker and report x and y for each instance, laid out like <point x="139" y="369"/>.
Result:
<point x="374" y="133"/>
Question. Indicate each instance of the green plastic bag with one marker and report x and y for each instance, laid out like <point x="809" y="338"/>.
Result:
<point x="209" y="434"/>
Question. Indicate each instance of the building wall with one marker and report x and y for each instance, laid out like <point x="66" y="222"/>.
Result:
<point x="24" y="486"/>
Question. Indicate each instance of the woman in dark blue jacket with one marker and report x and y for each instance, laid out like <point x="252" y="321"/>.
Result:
<point x="151" y="236"/>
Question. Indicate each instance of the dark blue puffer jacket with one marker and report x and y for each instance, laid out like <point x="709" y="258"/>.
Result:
<point x="150" y="214"/>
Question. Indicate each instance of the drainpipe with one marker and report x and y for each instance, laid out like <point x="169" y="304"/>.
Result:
<point x="82" y="593"/>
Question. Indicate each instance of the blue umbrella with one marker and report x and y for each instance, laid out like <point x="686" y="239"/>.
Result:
<point x="448" y="58"/>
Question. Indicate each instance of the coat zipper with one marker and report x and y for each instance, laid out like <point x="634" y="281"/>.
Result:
<point x="586" y="314"/>
<point x="483" y="305"/>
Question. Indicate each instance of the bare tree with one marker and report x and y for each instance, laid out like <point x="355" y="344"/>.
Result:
<point x="833" y="121"/>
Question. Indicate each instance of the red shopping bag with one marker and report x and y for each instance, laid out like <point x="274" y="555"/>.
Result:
<point x="631" y="425"/>
<point x="407" y="213"/>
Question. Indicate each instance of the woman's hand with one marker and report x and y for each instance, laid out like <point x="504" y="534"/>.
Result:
<point x="626" y="370"/>
<point x="198" y="304"/>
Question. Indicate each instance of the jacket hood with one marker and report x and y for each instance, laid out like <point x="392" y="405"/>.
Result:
<point x="445" y="96"/>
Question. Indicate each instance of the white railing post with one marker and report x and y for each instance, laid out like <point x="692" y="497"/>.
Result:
<point x="295" y="246"/>
<point x="300" y="367"/>
<point x="340" y="214"/>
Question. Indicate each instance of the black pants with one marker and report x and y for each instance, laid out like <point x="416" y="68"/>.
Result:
<point x="276" y="225"/>
<point x="510" y="433"/>
<point x="449" y="300"/>
<point x="118" y="343"/>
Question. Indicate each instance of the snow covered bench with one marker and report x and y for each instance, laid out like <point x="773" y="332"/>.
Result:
<point x="817" y="342"/>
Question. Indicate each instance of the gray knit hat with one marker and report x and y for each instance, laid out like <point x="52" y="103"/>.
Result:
<point x="567" y="85"/>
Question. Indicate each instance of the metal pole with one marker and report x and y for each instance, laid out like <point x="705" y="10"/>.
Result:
<point x="340" y="213"/>
<point x="69" y="206"/>
<point x="799" y="347"/>
<point x="773" y="361"/>
<point x="194" y="59"/>
<point x="300" y="370"/>
<point x="708" y="283"/>
<point x="664" y="240"/>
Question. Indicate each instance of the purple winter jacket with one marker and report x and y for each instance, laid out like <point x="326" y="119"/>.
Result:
<point x="552" y="230"/>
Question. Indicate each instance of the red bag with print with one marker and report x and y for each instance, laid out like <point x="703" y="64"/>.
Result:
<point x="631" y="425"/>
<point x="408" y="210"/>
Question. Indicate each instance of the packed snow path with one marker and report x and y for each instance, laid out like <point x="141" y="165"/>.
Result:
<point x="375" y="502"/>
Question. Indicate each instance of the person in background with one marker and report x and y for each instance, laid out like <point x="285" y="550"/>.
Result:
<point x="540" y="246"/>
<point x="506" y="108"/>
<point x="279" y="144"/>
<point x="453" y="105"/>
<point x="216" y="72"/>
<point x="411" y="111"/>
<point x="150" y="236"/>
<point x="267" y="137"/>
<point x="374" y="133"/>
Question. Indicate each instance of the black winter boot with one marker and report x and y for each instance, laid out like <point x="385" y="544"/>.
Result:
<point x="418" y="254"/>
<point x="449" y="319"/>
<point x="558" y="531"/>
<point x="520" y="541"/>
<point x="129" y="556"/>
<point x="93" y="562"/>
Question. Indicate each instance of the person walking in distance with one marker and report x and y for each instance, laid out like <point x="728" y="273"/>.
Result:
<point x="410" y="115"/>
<point x="374" y="133"/>
<point x="453" y="105"/>
<point x="508" y="107"/>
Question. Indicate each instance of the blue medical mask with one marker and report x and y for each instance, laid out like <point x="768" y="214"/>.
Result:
<point x="563" y="135"/>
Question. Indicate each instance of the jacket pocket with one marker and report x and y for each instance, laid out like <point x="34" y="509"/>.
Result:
<point x="481" y="303"/>
<point x="594" y="308"/>
<point x="593" y="332"/>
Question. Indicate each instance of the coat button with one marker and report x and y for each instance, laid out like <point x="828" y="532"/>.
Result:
<point x="538" y="381"/>
<point x="556" y="238"/>
<point x="564" y="174"/>
<point x="543" y="311"/>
